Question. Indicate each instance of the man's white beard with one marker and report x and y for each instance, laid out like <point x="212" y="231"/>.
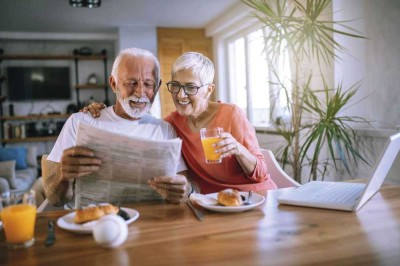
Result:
<point x="134" y="112"/>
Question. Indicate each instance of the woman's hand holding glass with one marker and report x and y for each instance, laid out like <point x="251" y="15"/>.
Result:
<point x="228" y="146"/>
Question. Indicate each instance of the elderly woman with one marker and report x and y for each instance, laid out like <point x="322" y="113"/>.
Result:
<point x="242" y="166"/>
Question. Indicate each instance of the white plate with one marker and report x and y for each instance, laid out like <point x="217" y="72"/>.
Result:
<point x="67" y="222"/>
<point x="256" y="200"/>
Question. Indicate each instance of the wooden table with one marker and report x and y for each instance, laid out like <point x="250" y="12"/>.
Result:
<point x="272" y="234"/>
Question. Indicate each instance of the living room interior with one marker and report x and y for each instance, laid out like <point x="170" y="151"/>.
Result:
<point x="57" y="56"/>
<point x="82" y="42"/>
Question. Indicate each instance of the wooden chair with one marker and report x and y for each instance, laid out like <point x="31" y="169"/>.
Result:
<point x="281" y="179"/>
<point x="47" y="168"/>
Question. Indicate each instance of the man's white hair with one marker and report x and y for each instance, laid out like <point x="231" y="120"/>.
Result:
<point x="136" y="52"/>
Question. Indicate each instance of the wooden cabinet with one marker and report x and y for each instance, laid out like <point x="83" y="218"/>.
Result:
<point x="172" y="43"/>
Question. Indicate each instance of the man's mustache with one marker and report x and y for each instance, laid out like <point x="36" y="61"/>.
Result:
<point x="136" y="99"/>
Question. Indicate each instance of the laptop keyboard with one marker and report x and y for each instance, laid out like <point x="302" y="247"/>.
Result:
<point x="336" y="192"/>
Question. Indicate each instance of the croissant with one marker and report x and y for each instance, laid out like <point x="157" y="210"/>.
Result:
<point x="229" y="197"/>
<point x="92" y="213"/>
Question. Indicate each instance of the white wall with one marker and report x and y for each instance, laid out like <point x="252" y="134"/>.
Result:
<point x="231" y="22"/>
<point x="376" y="62"/>
<point x="140" y="37"/>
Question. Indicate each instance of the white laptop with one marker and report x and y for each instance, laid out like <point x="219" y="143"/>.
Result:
<point x="342" y="195"/>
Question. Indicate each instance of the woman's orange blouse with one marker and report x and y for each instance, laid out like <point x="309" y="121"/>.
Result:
<point x="228" y="174"/>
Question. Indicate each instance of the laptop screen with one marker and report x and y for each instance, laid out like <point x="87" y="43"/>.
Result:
<point x="381" y="169"/>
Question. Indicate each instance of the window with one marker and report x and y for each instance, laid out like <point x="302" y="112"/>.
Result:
<point x="250" y="76"/>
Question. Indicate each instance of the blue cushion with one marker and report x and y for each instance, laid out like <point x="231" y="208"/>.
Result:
<point x="17" y="154"/>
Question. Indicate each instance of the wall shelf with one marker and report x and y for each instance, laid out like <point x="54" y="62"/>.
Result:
<point x="7" y="122"/>
<point x="52" y="57"/>
<point x="90" y="86"/>
<point x="30" y="139"/>
<point x="34" y="117"/>
<point x="76" y="58"/>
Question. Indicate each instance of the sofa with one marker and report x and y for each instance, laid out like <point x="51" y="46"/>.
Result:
<point x="18" y="169"/>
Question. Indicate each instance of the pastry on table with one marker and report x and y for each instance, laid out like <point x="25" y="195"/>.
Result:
<point x="229" y="197"/>
<point x="95" y="212"/>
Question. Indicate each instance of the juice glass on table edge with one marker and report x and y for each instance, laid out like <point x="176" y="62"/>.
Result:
<point x="209" y="136"/>
<point x="18" y="217"/>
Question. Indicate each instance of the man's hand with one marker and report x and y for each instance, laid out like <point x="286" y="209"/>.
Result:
<point x="78" y="161"/>
<point x="172" y="188"/>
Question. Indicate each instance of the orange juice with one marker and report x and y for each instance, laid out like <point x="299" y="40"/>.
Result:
<point x="211" y="157"/>
<point x="19" y="223"/>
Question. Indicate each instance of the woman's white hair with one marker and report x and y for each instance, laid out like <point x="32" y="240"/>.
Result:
<point x="199" y="64"/>
<point x="136" y="52"/>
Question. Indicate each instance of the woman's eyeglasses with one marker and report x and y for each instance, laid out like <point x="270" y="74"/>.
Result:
<point x="175" y="87"/>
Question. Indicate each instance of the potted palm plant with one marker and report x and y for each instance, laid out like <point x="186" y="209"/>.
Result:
<point x="302" y="30"/>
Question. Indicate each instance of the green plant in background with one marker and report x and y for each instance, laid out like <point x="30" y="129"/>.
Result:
<point x="300" y="28"/>
<point x="329" y="127"/>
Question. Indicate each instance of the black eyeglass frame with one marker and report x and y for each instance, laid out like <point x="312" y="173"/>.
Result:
<point x="184" y="87"/>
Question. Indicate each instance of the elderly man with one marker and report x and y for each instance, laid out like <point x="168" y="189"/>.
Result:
<point x="135" y="79"/>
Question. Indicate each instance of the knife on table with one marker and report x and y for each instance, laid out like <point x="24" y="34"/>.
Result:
<point x="198" y="213"/>
<point x="51" y="237"/>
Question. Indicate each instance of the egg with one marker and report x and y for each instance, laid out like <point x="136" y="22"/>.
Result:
<point x="110" y="231"/>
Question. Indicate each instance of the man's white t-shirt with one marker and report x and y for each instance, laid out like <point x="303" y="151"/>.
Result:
<point x="147" y="127"/>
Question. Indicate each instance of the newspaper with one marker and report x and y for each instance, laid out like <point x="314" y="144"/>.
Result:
<point x="127" y="164"/>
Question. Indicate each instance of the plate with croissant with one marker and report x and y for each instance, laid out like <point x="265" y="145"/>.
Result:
<point x="228" y="200"/>
<point x="83" y="220"/>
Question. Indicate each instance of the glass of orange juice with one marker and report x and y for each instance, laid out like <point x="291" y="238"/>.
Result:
<point x="18" y="214"/>
<point x="209" y="136"/>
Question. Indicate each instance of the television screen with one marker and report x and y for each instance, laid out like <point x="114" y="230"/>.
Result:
<point x="38" y="83"/>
